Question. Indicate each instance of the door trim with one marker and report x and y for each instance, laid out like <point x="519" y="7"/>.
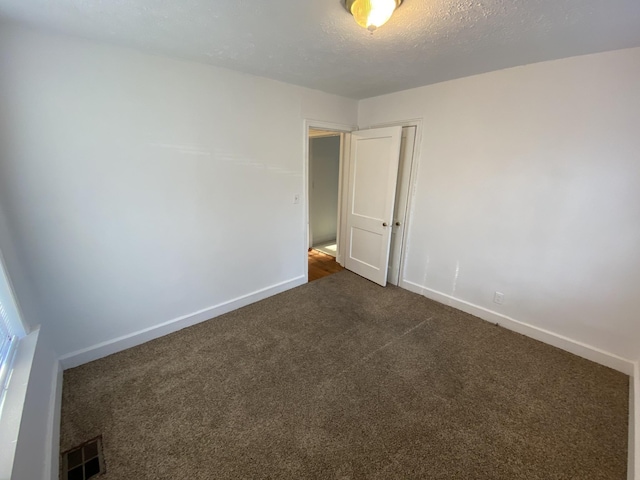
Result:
<point x="345" y="142"/>
<point x="415" y="161"/>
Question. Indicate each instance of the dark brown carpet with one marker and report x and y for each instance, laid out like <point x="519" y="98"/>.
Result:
<point x="343" y="379"/>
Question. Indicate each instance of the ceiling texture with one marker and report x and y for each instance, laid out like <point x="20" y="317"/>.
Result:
<point x="317" y="44"/>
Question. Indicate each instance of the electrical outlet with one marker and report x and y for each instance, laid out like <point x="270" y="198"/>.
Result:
<point x="296" y="198"/>
<point x="498" y="298"/>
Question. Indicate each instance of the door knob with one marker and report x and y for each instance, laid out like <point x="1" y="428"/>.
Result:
<point x="397" y="224"/>
<point x="385" y="224"/>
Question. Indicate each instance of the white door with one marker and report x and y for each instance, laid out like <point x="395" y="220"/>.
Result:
<point x="402" y="200"/>
<point x="373" y="171"/>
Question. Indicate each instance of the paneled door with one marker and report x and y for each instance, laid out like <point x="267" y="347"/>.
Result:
<point x="373" y="175"/>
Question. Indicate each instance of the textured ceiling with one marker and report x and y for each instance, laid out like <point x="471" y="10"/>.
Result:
<point x="317" y="44"/>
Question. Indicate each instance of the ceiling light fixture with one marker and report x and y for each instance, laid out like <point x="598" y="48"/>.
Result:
<point x="372" y="14"/>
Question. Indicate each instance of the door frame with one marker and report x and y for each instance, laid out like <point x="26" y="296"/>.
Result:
<point x="413" y="171"/>
<point x="345" y="146"/>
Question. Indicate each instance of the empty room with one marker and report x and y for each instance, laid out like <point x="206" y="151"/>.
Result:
<point x="330" y="239"/>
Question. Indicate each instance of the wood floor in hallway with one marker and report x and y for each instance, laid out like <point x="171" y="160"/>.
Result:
<point x="321" y="265"/>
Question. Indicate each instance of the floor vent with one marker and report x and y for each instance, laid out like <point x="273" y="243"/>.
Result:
<point x="84" y="461"/>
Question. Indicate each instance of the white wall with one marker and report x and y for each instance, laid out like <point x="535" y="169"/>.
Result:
<point x="18" y="280"/>
<point x="137" y="189"/>
<point x="529" y="184"/>
<point x="324" y="175"/>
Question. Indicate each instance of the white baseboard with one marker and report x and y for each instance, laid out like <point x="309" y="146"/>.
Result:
<point x="577" y="348"/>
<point x="104" y="349"/>
<point x="52" y="462"/>
<point x="634" y="425"/>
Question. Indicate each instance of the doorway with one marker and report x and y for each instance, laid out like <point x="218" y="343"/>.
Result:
<point x="324" y="184"/>
<point x="324" y="162"/>
<point x="334" y="151"/>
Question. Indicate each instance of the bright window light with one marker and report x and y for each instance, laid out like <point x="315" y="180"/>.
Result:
<point x="11" y="328"/>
